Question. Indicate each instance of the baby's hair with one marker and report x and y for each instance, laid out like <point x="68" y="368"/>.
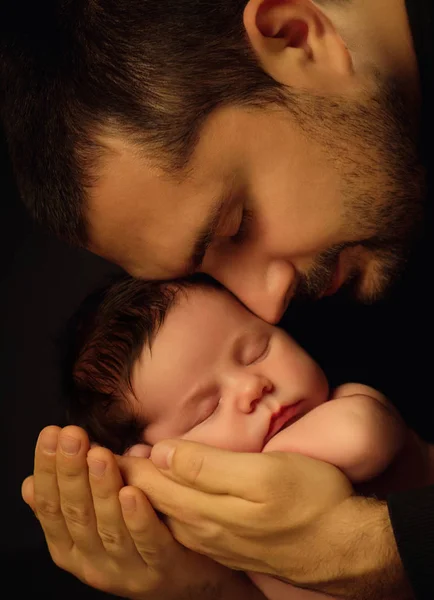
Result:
<point x="111" y="329"/>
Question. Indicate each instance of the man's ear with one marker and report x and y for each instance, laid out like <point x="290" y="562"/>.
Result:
<point x="297" y="44"/>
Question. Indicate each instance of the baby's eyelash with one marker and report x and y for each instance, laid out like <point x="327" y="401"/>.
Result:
<point x="246" y="219"/>
<point x="260" y="352"/>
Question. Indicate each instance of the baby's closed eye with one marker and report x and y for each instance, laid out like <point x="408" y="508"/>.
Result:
<point x="255" y="349"/>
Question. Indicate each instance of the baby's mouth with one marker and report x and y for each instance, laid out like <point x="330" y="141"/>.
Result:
<point x="282" y="419"/>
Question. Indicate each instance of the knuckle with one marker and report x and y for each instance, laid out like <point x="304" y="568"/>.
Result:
<point x="46" y="509"/>
<point x="77" y="515"/>
<point x="211" y="532"/>
<point x="154" y="556"/>
<point x="95" y="578"/>
<point x="102" y="492"/>
<point x="157" y="555"/>
<point x="192" y="465"/>
<point x="47" y="466"/>
<point x="200" y="538"/>
<point x="67" y="470"/>
<point x="208" y="546"/>
<point x="112" y="540"/>
<point x="188" y="515"/>
<point x="137" y="530"/>
<point x="209" y="539"/>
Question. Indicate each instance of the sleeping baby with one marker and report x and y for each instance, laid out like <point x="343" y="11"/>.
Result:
<point x="186" y="359"/>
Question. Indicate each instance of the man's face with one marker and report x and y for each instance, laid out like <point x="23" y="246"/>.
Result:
<point x="217" y="374"/>
<point x="272" y="205"/>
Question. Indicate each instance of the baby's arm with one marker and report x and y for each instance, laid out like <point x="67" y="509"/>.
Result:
<point x="357" y="430"/>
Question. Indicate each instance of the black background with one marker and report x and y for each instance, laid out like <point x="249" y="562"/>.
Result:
<point x="43" y="281"/>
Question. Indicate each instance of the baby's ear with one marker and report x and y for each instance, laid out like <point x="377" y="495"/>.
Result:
<point x="139" y="450"/>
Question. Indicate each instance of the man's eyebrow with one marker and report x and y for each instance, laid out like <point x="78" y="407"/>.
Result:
<point x="209" y="231"/>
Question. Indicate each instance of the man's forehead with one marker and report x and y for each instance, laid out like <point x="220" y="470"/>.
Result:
<point x="144" y="217"/>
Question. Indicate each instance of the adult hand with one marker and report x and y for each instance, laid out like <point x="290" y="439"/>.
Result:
<point x="277" y="513"/>
<point x="106" y="535"/>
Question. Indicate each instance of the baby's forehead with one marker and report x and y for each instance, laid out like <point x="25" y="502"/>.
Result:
<point x="195" y="310"/>
<point x="195" y="298"/>
<point x="198" y="326"/>
<point x="199" y="317"/>
<point x="205" y="315"/>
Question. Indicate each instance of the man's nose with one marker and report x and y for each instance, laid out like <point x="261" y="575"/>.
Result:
<point x="265" y="289"/>
<point x="248" y="390"/>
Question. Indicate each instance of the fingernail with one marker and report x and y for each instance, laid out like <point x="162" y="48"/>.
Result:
<point x="96" y="467"/>
<point x="128" y="502"/>
<point x="162" y="454"/>
<point x="49" y="441"/>
<point x="69" y="445"/>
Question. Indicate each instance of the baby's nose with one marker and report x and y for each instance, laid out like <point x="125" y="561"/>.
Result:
<point x="252" y="391"/>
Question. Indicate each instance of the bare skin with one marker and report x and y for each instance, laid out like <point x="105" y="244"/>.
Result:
<point x="109" y="536"/>
<point x="307" y="203"/>
<point x="223" y="390"/>
<point x="307" y="234"/>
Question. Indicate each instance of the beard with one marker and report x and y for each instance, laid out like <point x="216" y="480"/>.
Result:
<point x="373" y="144"/>
<point x="369" y="276"/>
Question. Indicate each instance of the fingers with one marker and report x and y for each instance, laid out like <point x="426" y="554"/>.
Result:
<point x="105" y="484"/>
<point x="212" y="470"/>
<point x="28" y="492"/>
<point x="178" y="501"/>
<point x="141" y="473"/>
<point x="74" y="489"/>
<point x="164" y="494"/>
<point x="46" y="492"/>
<point x="148" y="533"/>
<point x="139" y="450"/>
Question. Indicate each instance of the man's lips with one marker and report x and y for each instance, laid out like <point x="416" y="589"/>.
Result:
<point x="285" y="415"/>
<point x="336" y="280"/>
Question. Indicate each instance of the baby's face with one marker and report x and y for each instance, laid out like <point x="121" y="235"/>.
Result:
<point x="219" y="375"/>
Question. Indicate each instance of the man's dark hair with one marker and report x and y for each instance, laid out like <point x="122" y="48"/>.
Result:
<point x="149" y="70"/>
<point x="109" y="333"/>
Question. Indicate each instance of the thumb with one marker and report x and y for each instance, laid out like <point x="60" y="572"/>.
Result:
<point x="28" y="492"/>
<point x="137" y="470"/>
<point x="211" y="469"/>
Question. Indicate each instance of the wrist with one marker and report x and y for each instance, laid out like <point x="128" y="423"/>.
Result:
<point x="370" y="566"/>
<point x="206" y="579"/>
